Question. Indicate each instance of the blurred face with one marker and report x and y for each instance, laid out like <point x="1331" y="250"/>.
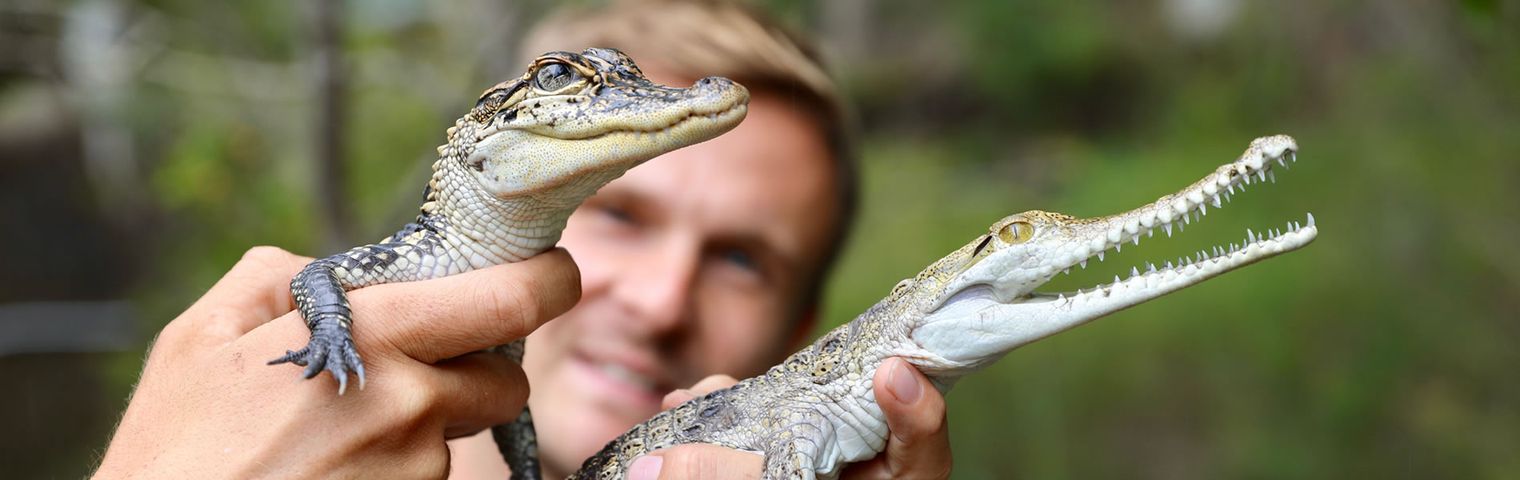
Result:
<point x="693" y="264"/>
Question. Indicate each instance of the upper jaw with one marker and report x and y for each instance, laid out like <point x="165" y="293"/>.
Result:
<point x="700" y="111"/>
<point x="1092" y="237"/>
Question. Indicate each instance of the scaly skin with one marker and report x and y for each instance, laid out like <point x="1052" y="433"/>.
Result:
<point x="513" y="170"/>
<point x="815" y="412"/>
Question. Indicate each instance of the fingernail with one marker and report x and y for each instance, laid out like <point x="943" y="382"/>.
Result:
<point x="902" y="383"/>
<point x="646" y="467"/>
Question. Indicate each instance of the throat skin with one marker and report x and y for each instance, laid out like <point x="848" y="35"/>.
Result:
<point x="816" y="411"/>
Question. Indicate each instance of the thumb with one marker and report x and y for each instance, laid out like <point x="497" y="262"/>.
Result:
<point x="918" y="445"/>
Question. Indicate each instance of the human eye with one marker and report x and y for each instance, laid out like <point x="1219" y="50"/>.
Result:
<point x="741" y="258"/>
<point x="615" y="213"/>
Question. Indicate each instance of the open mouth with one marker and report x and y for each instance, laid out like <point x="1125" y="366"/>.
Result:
<point x="1175" y="212"/>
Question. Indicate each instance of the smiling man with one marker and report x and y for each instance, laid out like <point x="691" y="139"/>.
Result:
<point x="707" y="260"/>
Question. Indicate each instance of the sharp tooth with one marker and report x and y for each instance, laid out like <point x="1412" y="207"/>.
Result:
<point x="1245" y="180"/>
<point x="1136" y="239"/>
<point x="1133" y="272"/>
<point x="1272" y="176"/>
<point x="1084" y="264"/>
<point x="1116" y="280"/>
<point x="1186" y="219"/>
<point x="1118" y="247"/>
<point x="1229" y="196"/>
<point x="1100" y="256"/>
<point x="1262" y="175"/>
<point x="1250" y="237"/>
<point x="1293" y="156"/>
<point x="1067" y="271"/>
<point x="1149" y="233"/>
<point x="1216" y="202"/>
<point x="1168" y="228"/>
<point x="1230" y="192"/>
<point x="1281" y="162"/>
<point x="1169" y="265"/>
<point x="1150" y="267"/>
<point x="1061" y="297"/>
<point x="1311" y="219"/>
<point x="1182" y="227"/>
<point x="1203" y="208"/>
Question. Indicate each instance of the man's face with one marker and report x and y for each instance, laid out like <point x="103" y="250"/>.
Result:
<point x="693" y="264"/>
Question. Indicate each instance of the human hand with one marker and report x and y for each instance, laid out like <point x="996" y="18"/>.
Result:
<point x="207" y="406"/>
<point x="918" y="444"/>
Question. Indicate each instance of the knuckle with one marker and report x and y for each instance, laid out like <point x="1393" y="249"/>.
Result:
<point x="431" y="462"/>
<point x="265" y="255"/>
<point x="511" y="310"/>
<point x="417" y="396"/>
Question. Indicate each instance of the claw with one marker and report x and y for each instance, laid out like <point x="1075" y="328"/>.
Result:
<point x="327" y="351"/>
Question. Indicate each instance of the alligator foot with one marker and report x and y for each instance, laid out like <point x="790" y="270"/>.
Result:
<point x="331" y="348"/>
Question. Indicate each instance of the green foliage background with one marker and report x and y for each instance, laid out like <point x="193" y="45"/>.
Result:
<point x="1386" y="349"/>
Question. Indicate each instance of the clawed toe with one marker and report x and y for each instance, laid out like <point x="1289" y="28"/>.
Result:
<point x="336" y="355"/>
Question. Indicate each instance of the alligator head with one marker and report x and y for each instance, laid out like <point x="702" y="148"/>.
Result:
<point x="585" y="117"/>
<point x="980" y="302"/>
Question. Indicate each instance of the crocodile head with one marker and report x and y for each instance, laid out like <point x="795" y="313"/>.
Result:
<point x="980" y="302"/>
<point x="586" y="117"/>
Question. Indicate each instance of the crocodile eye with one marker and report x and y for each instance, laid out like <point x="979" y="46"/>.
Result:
<point x="1016" y="232"/>
<point x="554" y="76"/>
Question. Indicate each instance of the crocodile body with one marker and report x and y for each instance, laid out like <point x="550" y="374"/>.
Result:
<point x="815" y="412"/>
<point x="513" y="169"/>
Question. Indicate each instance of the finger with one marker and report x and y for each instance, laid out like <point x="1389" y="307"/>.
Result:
<point x="477" y="391"/>
<point x="255" y="290"/>
<point x="446" y="317"/>
<point x="697" y="461"/>
<point x="703" y="387"/>
<point x="919" y="443"/>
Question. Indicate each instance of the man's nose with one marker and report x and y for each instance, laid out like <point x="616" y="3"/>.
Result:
<point x="659" y="287"/>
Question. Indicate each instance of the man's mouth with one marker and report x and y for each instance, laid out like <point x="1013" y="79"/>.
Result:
<point x="620" y="383"/>
<point x="623" y="374"/>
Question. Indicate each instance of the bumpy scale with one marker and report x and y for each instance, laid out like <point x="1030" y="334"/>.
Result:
<point x="513" y="170"/>
<point x="815" y="412"/>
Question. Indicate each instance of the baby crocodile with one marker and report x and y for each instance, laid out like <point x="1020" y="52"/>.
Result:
<point x="815" y="412"/>
<point x="513" y="170"/>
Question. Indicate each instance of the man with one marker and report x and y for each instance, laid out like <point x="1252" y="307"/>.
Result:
<point x="706" y="261"/>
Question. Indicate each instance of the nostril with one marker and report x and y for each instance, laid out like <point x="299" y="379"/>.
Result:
<point x="710" y="82"/>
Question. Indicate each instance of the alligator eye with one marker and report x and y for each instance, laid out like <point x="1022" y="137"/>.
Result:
<point x="1016" y="232"/>
<point x="554" y="76"/>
